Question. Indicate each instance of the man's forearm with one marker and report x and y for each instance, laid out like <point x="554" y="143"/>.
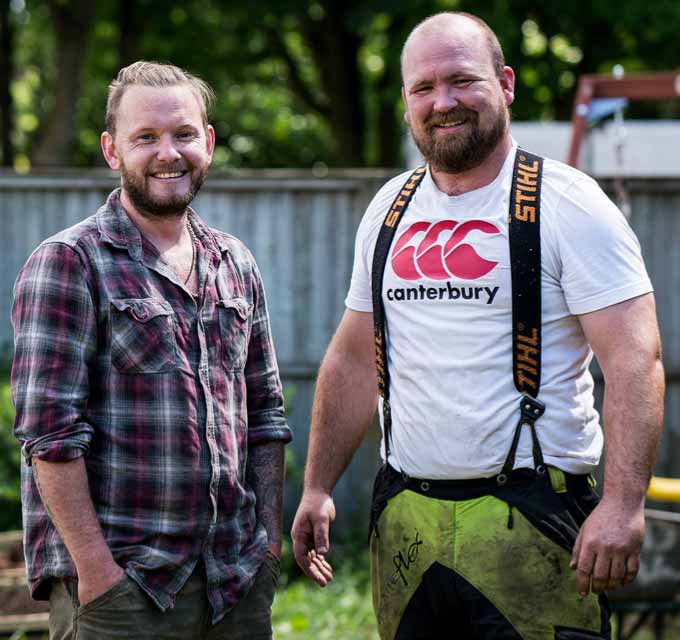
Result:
<point x="633" y="416"/>
<point x="65" y="492"/>
<point x="265" y="473"/>
<point x="625" y="340"/>
<point x="344" y="406"/>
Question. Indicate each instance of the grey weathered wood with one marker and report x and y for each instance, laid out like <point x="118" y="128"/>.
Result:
<point x="24" y="622"/>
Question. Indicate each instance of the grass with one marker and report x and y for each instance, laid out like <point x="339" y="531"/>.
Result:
<point x="340" y="611"/>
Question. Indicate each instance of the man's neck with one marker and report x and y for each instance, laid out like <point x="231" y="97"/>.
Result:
<point x="163" y="232"/>
<point x="455" y="184"/>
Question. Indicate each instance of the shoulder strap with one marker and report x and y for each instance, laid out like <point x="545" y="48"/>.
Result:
<point x="382" y="247"/>
<point x="525" y="267"/>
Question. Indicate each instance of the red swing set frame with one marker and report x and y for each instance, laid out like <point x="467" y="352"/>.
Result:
<point x="634" y="86"/>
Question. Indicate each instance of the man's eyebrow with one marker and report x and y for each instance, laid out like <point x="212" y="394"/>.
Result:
<point x="418" y="83"/>
<point x="138" y="131"/>
<point x="187" y="125"/>
<point x="455" y="75"/>
<point x="150" y="129"/>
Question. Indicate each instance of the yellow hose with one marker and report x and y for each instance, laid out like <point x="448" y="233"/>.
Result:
<point x="664" y="489"/>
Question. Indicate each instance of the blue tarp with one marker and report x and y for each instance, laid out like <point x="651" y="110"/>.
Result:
<point x="603" y="107"/>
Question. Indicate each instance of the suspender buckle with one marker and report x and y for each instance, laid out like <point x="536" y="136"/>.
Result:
<point x="531" y="409"/>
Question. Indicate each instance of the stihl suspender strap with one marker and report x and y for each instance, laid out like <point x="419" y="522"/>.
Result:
<point x="382" y="248"/>
<point x="525" y="266"/>
<point x="524" y="234"/>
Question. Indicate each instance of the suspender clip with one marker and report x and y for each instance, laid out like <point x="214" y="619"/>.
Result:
<point x="532" y="409"/>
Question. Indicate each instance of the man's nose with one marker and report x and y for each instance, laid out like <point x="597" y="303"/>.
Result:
<point x="167" y="151"/>
<point x="446" y="98"/>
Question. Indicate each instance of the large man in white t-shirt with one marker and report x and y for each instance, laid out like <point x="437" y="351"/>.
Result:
<point x="484" y="520"/>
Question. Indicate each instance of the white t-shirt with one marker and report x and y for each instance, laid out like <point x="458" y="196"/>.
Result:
<point x="448" y="305"/>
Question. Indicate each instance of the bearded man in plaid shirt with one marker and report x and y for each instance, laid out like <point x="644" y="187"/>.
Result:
<point x="149" y="404"/>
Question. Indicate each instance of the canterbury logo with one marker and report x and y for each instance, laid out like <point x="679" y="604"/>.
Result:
<point x="437" y="250"/>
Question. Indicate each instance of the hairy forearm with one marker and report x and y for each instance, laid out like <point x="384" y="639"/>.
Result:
<point x="265" y="472"/>
<point x="343" y="409"/>
<point x="65" y="492"/>
<point x="633" y="416"/>
<point x="625" y="339"/>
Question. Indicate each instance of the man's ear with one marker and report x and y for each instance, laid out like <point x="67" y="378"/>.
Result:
<point x="109" y="150"/>
<point x="403" y="99"/>
<point x="210" y="140"/>
<point x="508" y="85"/>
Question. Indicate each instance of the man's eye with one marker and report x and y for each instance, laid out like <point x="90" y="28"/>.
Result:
<point x="423" y="89"/>
<point x="185" y="135"/>
<point x="145" y="137"/>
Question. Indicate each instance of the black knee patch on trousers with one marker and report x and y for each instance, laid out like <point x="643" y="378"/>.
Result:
<point x="442" y="600"/>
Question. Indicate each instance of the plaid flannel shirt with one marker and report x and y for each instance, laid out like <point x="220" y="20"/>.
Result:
<point x="162" y="394"/>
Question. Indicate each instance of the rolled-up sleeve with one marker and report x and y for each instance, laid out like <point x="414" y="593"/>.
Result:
<point x="55" y="338"/>
<point x="266" y="415"/>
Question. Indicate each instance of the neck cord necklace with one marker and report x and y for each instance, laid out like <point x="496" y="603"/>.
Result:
<point x="192" y="235"/>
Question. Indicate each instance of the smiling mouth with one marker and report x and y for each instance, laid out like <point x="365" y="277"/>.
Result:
<point x="168" y="175"/>
<point x="448" y="124"/>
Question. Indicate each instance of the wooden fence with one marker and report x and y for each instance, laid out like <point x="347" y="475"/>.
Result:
<point x="301" y="230"/>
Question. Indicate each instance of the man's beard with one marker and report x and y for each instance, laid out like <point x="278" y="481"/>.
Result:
<point x="150" y="206"/>
<point x="462" y="151"/>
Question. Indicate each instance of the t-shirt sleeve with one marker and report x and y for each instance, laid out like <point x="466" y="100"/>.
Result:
<point x="359" y="297"/>
<point x="601" y="259"/>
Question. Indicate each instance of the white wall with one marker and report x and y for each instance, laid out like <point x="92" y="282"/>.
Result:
<point x="651" y="147"/>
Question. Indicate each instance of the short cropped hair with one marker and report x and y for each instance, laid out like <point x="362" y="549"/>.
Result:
<point x="155" y="74"/>
<point x="492" y="43"/>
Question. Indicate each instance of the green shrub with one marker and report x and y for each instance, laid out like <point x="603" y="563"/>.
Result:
<point x="10" y="462"/>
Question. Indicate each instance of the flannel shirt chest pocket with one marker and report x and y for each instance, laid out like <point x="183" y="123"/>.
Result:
<point x="143" y="335"/>
<point x="235" y="318"/>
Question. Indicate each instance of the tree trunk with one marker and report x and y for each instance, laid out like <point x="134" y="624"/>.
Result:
<point x="128" y="46"/>
<point x="6" y="73"/>
<point x="73" y="20"/>
<point x="390" y="128"/>
<point x="336" y="53"/>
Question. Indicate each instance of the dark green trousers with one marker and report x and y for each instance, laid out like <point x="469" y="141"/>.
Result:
<point x="126" y="612"/>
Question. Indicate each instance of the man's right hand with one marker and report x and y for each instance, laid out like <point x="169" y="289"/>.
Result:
<point x="99" y="580"/>
<point x="310" y="535"/>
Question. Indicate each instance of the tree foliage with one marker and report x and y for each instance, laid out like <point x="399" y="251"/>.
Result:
<point x="299" y="82"/>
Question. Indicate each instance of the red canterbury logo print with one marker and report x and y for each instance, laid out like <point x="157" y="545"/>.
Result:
<point x="437" y="250"/>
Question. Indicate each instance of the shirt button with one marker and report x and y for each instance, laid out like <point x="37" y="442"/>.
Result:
<point x="141" y="313"/>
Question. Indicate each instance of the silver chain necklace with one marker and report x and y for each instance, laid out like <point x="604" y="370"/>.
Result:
<point x="192" y="235"/>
